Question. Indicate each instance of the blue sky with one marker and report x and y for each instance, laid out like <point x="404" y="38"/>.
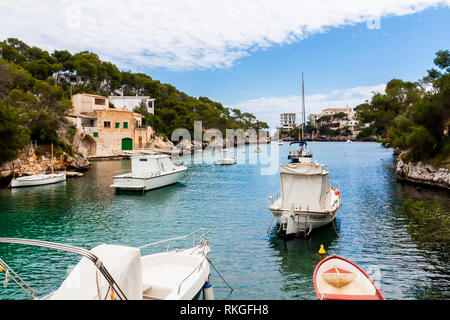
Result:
<point x="248" y="54"/>
<point x="345" y="57"/>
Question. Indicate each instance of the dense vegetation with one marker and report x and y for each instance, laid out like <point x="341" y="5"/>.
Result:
<point x="430" y="223"/>
<point x="413" y="116"/>
<point x="33" y="105"/>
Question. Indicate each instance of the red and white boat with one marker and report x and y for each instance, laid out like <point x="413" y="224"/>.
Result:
<point x="336" y="278"/>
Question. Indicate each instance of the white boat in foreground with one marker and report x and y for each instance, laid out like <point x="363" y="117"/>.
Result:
<point x="38" y="180"/>
<point x="114" y="272"/>
<point x="149" y="172"/>
<point x="306" y="201"/>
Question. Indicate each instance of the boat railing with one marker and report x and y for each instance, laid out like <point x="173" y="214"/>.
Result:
<point x="11" y="274"/>
<point x="273" y="198"/>
<point x="67" y="248"/>
<point x="202" y="238"/>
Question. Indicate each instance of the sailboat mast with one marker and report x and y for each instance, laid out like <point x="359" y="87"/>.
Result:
<point x="52" y="159"/>
<point x="303" y="108"/>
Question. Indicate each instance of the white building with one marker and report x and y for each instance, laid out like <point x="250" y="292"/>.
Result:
<point x="287" y="121"/>
<point x="131" y="102"/>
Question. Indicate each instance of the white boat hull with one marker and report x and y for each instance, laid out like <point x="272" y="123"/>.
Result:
<point x="313" y="220"/>
<point x="128" y="182"/>
<point x="38" y="180"/>
<point x="175" y="275"/>
<point x="172" y="275"/>
<point x="298" y="221"/>
<point x="227" y="161"/>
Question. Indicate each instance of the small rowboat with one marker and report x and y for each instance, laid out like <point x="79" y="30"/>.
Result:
<point x="336" y="278"/>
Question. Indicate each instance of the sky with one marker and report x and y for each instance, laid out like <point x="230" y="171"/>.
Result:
<point x="248" y="54"/>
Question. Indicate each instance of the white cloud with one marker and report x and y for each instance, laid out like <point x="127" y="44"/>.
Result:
<point x="268" y="109"/>
<point x="183" y="35"/>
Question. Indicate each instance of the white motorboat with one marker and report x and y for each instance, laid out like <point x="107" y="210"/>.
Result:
<point x="227" y="160"/>
<point x="306" y="201"/>
<point x="280" y="142"/>
<point x="39" y="179"/>
<point x="149" y="172"/>
<point x="115" y="272"/>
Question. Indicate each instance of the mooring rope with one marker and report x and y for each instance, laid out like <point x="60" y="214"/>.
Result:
<point x="223" y="279"/>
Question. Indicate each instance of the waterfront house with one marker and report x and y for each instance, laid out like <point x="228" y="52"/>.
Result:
<point x="132" y="102"/>
<point x="103" y="130"/>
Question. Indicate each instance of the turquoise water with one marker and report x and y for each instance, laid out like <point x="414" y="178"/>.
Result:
<point x="232" y="201"/>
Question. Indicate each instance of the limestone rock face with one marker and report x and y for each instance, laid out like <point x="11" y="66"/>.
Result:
<point x="159" y="143"/>
<point x="423" y="173"/>
<point x="28" y="163"/>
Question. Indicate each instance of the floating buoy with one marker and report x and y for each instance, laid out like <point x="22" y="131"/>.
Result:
<point x="336" y="192"/>
<point x="208" y="293"/>
<point x="322" y="250"/>
<point x="129" y="163"/>
<point x="1" y="269"/>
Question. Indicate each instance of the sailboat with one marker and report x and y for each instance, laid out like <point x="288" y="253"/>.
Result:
<point x="39" y="179"/>
<point x="301" y="155"/>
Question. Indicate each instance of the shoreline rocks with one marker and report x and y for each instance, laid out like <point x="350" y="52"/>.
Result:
<point x="29" y="163"/>
<point x="424" y="174"/>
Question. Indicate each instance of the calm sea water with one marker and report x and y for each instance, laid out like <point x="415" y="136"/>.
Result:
<point x="232" y="201"/>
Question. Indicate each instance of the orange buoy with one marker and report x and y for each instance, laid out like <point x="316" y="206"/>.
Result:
<point x="336" y="192"/>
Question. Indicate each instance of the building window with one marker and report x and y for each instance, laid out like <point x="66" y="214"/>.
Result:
<point x="117" y="125"/>
<point x="95" y="134"/>
<point x="125" y="125"/>
<point x="107" y="124"/>
<point x="100" y="102"/>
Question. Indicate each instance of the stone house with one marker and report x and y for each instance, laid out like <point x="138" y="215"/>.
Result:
<point x="103" y="131"/>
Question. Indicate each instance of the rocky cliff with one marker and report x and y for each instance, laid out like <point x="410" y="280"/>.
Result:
<point x="423" y="174"/>
<point x="29" y="163"/>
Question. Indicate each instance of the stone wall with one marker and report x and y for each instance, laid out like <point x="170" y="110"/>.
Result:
<point x="423" y="174"/>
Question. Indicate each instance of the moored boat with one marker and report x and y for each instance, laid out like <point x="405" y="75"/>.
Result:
<point x="149" y="172"/>
<point x="227" y="161"/>
<point x="115" y="272"/>
<point x="306" y="200"/>
<point x="336" y="278"/>
<point x="39" y="179"/>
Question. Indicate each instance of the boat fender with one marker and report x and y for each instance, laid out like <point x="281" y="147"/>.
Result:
<point x="336" y="192"/>
<point x="208" y="292"/>
<point x="113" y="297"/>
<point x="322" y="250"/>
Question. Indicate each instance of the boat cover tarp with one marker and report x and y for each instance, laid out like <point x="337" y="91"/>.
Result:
<point x="124" y="265"/>
<point x="306" y="186"/>
<point x="144" y="166"/>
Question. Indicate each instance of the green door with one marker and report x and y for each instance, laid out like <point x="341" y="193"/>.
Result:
<point x="127" y="144"/>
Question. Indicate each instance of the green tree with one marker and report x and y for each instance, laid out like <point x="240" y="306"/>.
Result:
<point x="13" y="136"/>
